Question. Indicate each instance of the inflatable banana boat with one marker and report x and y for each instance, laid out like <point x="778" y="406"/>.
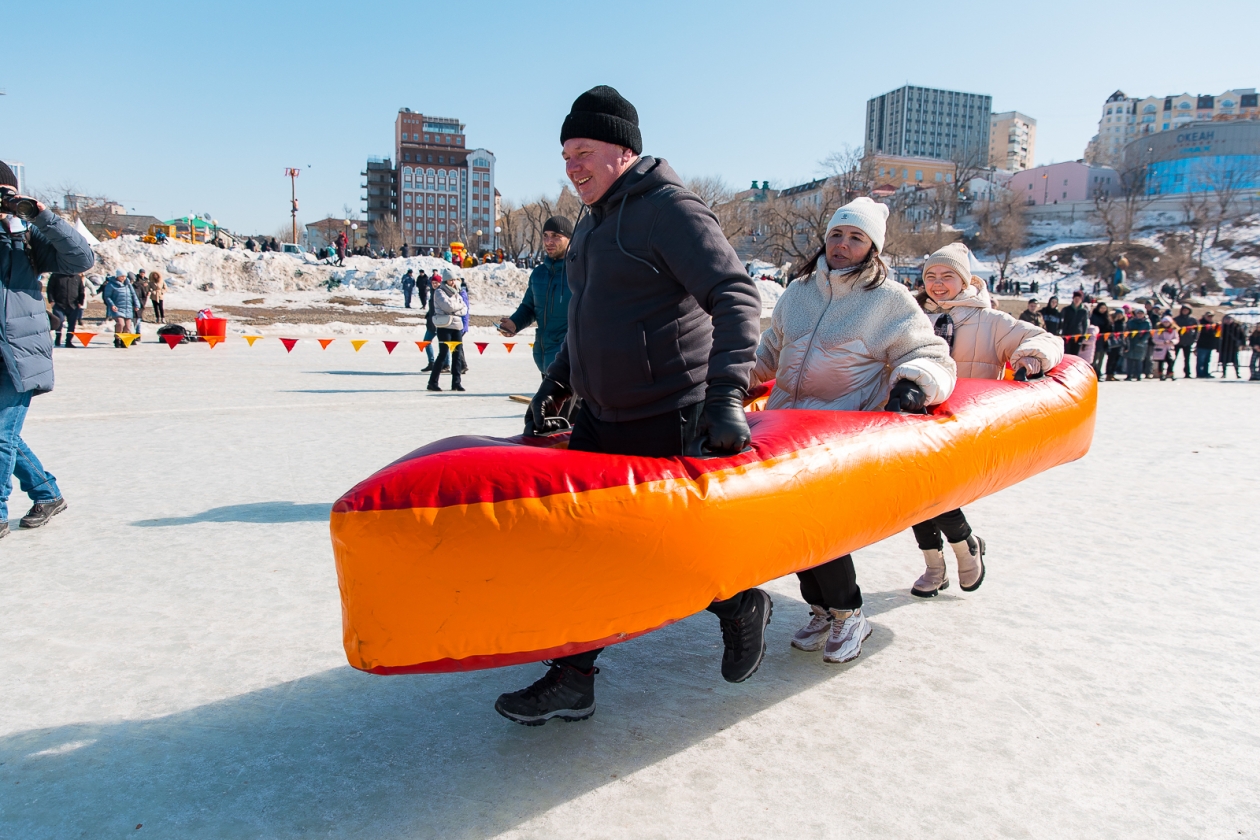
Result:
<point x="477" y="552"/>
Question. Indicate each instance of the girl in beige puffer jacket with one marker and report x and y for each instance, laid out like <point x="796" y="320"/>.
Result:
<point x="982" y="340"/>
<point x="840" y="335"/>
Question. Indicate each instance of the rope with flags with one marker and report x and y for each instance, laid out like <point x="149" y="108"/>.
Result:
<point x="1216" y="328"/>
<point x="173" y="341"/>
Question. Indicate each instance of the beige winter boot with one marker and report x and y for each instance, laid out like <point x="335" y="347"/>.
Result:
<point x="934" y="578"/>
<point x="970" y="556"/>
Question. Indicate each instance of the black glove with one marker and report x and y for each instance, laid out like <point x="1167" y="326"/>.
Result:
<point x="545" y="407"/>
<point x="906" y="397"/>
<point x="723" y="423"/>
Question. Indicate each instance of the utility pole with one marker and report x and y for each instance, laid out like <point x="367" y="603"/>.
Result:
<point x="292" y="174"/>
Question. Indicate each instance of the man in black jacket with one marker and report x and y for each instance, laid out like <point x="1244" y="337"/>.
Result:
<point x="67" y="296"/>
<point x="662" y="336"/>
<point x="1075" y="321"/>
<point x="1186" y="343"/>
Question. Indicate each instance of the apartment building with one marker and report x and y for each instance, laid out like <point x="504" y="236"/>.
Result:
<point x="901" y="170"/>
<point x="1061" y="183"/>
<point x="926" y="122"/>
<point x="439" y="190"/>
<point x="1012" y="141"/>
<point x="1125" y="118"/>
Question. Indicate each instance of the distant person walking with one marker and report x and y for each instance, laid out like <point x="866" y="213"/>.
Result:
<point x="45" y="244"/>
<point x="449" y="309"/>
<point x="342" y="243"/>
<point x="120" y="305"/>
<point x="157" y="291"/>
<point x="141" y="286"/>
<point x="430" y="331"/>
<point x="408" y="287"/>
<point x="1233" y="338"/>
<point x="1208" y="341"/>
<point x="1185" y="344"/>
<point x="67" y="296"/>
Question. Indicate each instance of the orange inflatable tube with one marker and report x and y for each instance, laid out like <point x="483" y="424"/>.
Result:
<point x="477" y="552"/>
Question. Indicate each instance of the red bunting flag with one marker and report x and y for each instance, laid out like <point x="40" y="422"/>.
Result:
<point x="171" y="340"/>
<point x="324" y="342"/>
<point x="481" y="346"/>
<point x="288" y="344"/>
<point x="389" y="346"/>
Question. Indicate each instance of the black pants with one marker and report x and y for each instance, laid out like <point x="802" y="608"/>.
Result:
<point x="406" y="298"/>
<point x="832" y="586"/>
<point x="69" y="319"/>
<point x="159" y="311"/>
<point x="1113" y="361"/>
<point x="1186" y="353"/>
<point x="952" y="524"/>
<point x="1161" y="364"/>
<point x="661" y="436"/>
<point x="457" y="358"/>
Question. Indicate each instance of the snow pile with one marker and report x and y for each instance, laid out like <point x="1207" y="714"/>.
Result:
<point x="210" y="270"/>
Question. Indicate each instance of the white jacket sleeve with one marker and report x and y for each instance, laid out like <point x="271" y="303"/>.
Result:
<point x="768" y="348"/>
<point x="1021" y="339"/>
<point x="917" y="353"/>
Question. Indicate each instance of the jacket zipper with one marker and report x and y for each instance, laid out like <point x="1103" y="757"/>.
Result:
<point x="831" y="293"/>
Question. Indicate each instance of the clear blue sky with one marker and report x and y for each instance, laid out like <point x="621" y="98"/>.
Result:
<point x="172" y="108"/>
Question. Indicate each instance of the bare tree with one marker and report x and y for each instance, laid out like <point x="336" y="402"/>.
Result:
<point x="1003" y="228"/>
<point x="388" y="233"/>
<point x="1118" y="213"/>
<point x="1228" y="180"/>
<point x="1176" y="263"/>
<point x="847" y="172"/>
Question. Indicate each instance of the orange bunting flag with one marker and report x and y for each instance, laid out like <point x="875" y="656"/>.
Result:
<point x="423" y="344"/>
<point x="508" y="345"/>
<point x="171" y="340"/>
<point x="251" y="339"/>
<point x="127" y="338"/>
<point x="324" y="342"/>
<point x="481" y="346"/>
<point x="84" y="337"/>
<point x="211" y="340"/>
<point x="451" y="345"/>
<point x="358" y="343"/>
<point x="389" y="346"/>
<point x="288" y="344"/>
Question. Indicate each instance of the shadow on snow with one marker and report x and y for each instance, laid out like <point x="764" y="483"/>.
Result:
<point x="270" y="512"/>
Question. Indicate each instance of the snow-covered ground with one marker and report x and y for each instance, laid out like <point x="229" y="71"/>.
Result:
<point x="171" y="651"/>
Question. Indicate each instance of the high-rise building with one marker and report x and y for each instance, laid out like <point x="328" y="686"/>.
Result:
<point x="1125" y="118"/>
<point x="1012" y="138"/>
<point x="438" y="190"/>
<point x="924" y="122"/>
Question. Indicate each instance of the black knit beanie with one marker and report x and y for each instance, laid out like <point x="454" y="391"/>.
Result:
<point x="560" y="225"/>
<point x="603" y="114"/>
<point x="8" y="179"/>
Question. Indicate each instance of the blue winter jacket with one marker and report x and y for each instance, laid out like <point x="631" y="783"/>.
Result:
<point x="546" y="301"/>
<point x="48" y="245"/>
<point x="120" y="299"/>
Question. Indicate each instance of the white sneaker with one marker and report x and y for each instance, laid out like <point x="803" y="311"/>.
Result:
<point x="813" y="635"/>
<point x="849" y="629"/>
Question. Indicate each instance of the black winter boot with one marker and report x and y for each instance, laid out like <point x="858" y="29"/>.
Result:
<point x="563" y="692"/>
<point x="744" y="636"/>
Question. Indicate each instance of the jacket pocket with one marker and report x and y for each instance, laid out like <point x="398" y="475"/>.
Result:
<point x="644" y="362"/>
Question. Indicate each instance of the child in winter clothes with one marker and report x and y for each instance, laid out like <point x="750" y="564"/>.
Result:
<point x="843" y="337"/>
<point x="981" y="340"/>
<point x="1165" y="342"/>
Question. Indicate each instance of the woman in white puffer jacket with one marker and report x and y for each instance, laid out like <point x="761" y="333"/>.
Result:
<point x="844" y="338"/>
<point x="982" y="340"/>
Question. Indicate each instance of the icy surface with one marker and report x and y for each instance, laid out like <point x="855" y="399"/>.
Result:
<point x="172" y="656"/>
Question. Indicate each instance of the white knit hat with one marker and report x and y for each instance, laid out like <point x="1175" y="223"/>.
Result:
<point x="866" y="215"/>
<point x="954" y="256"/>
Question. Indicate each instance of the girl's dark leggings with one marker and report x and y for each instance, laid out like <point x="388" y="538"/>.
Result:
<point x="833" y="585"/>
<point x="159" y="311"/>
<point x="952" y="524"/>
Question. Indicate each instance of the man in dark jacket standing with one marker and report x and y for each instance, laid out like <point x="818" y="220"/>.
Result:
<point x="1209" y="339"/>
<point x="1185" y="344"/>
<point x="546" y="298"/>
<point x="662" y="335"/>
<point x="1075" y="321"/>
<point x="67" y="296"/>
<point x="50" y="245"/>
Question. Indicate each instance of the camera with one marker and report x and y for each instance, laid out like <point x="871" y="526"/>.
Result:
<point x="20" y="206"/>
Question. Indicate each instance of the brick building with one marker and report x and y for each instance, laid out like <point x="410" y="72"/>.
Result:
<point x="436" y="189"/>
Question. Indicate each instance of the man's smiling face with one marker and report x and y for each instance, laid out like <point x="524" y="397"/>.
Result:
<point x="593" y="166"/>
